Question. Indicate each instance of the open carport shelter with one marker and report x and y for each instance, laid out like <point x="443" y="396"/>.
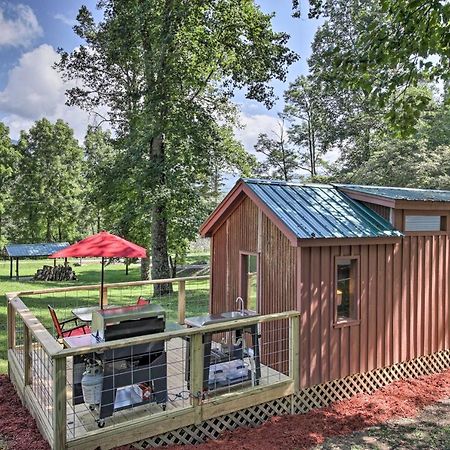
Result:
<point x="17" y="251"/>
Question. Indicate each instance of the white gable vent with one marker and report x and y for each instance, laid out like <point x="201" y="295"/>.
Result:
<point x="423" y="223"/>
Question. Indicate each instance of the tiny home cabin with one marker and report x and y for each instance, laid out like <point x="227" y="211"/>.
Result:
<point x="367" y="267"/>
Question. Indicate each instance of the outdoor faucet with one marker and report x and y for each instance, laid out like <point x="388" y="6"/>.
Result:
<point x="240" y="300"/>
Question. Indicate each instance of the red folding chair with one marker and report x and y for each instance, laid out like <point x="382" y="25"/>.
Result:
<point x="77" y="330"/>
<point x="142" y="301"/>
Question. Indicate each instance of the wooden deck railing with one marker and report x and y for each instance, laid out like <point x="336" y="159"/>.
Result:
<point x="41" y="369"/>
<point x="180" y="282"/>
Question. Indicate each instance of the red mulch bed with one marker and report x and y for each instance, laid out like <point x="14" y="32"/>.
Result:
<point x="399" y="399"/>
<point x="17" y="427"/>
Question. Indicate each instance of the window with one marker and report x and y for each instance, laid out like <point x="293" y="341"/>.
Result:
<point x="346" y="290"/>
<point x="424" y="223"/>
<point x="249" y="281"/>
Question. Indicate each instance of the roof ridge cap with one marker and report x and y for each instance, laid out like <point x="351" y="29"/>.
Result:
<point x="284" y="183"/>
<point x="341" y="185"/>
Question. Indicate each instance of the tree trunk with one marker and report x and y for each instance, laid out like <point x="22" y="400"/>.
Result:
<point x="145" y="269"/>
<point x="159" y="248"/>
<point x="48" y="232"/>
<point x="173" y="266"/>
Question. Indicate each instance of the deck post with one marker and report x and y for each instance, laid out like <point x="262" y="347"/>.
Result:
<point x="181" y="302"/>
<point x="11" y="325"/>
<point x="27" y="357"/>
<point x="11" y="328"/>
<point x="59" y="403"/>
<point x="196" y="374"/>
<point x="105" y="295"/>
<point x="294" y="353"/>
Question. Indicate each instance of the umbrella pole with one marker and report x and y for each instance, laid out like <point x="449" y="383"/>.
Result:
<point x="102" y="282"/>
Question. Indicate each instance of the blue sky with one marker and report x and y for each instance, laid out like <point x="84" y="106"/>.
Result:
<point x="32" y="30"/>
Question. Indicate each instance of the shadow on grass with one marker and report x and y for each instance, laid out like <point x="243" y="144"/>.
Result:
<point x="406" y="434"/>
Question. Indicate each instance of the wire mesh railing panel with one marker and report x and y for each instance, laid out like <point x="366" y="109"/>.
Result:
<point x="236" y="359"/>
<point x="41" y="368"/>
<point x="64" y="305"/>
<point x="67" y="304"/>
<point x="197" y="297"/>
<point x="115" y="386"/>
<point x="275" y="346"/>
<point x="18" y="344"/>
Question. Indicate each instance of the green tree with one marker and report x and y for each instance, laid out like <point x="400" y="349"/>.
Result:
<point x="166" y="71"/>
<point x="9" y="158"/>
<point x="349" y="120"/>
<point x="398" y="45"/>
<point x="48" y="188"/>
<point x="99" y="153"/>
<point x="420" y="160"/>
<point x="310" y="122"/>
<point x="281" y="158"/>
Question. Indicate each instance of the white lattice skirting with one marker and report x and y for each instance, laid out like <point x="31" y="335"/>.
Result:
<point x="303" y="401"/>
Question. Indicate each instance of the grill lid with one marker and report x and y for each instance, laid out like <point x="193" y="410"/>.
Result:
<point x="123" y="313"/>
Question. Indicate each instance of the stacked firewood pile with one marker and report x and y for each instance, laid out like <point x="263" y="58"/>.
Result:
<point x="55" y="273"/>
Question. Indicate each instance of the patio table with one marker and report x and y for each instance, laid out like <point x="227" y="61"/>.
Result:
<point x="85" y="313"/>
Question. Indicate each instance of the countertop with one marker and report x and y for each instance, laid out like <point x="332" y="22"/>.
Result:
<point x="207" y="319"/>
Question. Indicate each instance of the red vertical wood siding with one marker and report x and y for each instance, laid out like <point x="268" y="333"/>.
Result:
<point x="404" y="307"/>
<point x="277" y="280"/>
<point x="383" y="211"/>
<point x="404" y="295"/>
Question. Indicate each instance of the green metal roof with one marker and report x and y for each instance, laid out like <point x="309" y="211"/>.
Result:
<point x="320" y="211"/>
<point x="398" y="193"/>
<point x="28" y="250"/>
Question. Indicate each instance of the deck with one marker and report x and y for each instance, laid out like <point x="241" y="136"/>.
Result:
<point x="42" y="372"/>
<point x="81" y="420"/>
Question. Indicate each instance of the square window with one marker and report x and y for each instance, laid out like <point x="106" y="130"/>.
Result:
<point x="346" y="290"/>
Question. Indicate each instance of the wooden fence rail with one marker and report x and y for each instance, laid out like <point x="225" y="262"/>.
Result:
<point x="53" y="423"/>
<point x="181" y="282"/>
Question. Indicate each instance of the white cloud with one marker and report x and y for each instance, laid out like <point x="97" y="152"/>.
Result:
<point x="253" y="126"/>
<point x="65" y="20"/>
<point x="33" y="86"/>
<point x="19" y="26"/>
<point x="34" y="90"/>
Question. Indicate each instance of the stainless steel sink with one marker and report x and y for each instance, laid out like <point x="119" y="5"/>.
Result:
<point x="215" y="318"/>
<point x="235" y="314"/>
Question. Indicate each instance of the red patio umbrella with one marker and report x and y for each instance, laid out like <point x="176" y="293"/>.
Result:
<point x="104" y="245"/>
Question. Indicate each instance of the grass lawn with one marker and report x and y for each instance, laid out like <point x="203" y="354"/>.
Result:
<point x="197" y="292"/>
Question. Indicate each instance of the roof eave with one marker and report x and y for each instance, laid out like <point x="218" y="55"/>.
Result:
<point x="370" y="198"/>
<point x="232" y="201"/>
<point x="221" y="209"/>
<point x="326" y="242"/>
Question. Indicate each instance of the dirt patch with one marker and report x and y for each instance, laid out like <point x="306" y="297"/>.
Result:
<point x="18" y="430"/>
<point x="399" y="399"/>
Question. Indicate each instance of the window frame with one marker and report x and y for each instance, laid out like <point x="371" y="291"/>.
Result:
<point x="243" y="281"/>
<point x="350" y="321"/>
